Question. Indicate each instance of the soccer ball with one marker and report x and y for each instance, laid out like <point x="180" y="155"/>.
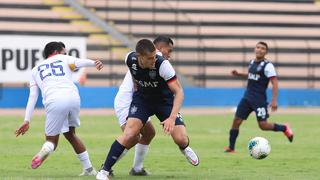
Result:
<point x="259" y="148"/>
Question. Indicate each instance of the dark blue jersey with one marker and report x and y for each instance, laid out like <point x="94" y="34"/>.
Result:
<point x="152" y="83"/>
<point x="259" y="75"/>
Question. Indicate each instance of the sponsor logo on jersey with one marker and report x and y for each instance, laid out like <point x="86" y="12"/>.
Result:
<point x="255" y="77"/>
<point x="147" y="84"/>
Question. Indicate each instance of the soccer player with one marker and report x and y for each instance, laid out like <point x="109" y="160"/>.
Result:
<point x="260" y="72"/>
<point x="164" y="46"/>
<point x="158" y="92"/>
<point x="61" y="101"/>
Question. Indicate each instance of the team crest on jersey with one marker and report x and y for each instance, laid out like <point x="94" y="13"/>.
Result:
<point x="152" y="74"/>
<point x="133" y="109"/>
<point x="259" y="68"/>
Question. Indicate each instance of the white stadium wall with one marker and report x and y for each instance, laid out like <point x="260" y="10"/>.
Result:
<point x="19" y="54"/>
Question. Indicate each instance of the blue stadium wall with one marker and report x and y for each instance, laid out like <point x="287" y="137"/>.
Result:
<point x="102" y="97"/>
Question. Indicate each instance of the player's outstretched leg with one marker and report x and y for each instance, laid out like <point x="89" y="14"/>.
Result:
<point x="47" y="148"/>
<point x="264" y="125"/>
<point x="233" y="134"/>
<point x="141" y="150"/>
<point x="180" y="137"/>
<point x="82" y="154"/>
<point x="128" y="139"/>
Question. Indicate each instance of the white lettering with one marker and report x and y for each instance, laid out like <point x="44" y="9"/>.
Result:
<point x="255" y="77"/>
<point x="153" y="84"/>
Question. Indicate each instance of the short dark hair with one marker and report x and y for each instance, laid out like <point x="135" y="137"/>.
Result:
<point x="165" y="39"/>
<point x="264" y="44"/>
<point x="145" y="46"/>
<point x="51" y="47"/>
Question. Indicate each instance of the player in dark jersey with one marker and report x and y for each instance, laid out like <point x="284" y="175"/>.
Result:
<point x="260" y="72"/>
<point x="164" y="47"/>
<point x="158" y="92"/>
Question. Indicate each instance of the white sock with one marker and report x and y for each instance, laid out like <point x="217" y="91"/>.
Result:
<point x="84" y="159"/>
<point x="140" y="153"/>
<point x="47" y="149"/>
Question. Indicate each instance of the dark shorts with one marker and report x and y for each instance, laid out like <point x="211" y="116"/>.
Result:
<point x="245" y="107"/>
<point x="142" y="109"/>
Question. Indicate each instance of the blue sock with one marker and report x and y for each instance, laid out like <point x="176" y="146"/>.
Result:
<point x="279" y="127"/>
<point x="233" y="137"/>
<point x="114" y="154"/>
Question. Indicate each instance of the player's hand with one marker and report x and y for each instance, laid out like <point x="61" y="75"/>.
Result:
<point x="235" y="73"/>
<point x="274" y="105"/>
<point x="98" y="64"/>
<point x="168" y="125"/>
<point x="22" y="129"/>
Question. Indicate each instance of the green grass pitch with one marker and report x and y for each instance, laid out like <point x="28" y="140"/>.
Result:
<point x="208" y="135"/>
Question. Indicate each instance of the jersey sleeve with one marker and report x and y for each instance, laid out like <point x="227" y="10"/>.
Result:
<point x="270" y="71"/>
<point x="32" y="81"/>
<point x="33" y="97"/>
<point x="126" y="60"/>
<point x="75" y="63"/>
<point x="128" y="81"/>
<point x="167" y="72"/>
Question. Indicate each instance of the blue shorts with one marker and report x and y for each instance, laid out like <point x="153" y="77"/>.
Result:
<point x="245" y="107"/>
<point x="143" y="109"/>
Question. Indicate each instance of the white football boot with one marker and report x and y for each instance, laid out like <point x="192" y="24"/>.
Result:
<point x="191" y="156"/>
<point x="102" y="175"/>
<point x="85" y="172"/>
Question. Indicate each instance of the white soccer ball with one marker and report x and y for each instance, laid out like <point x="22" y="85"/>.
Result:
<point x="259" y="148"/>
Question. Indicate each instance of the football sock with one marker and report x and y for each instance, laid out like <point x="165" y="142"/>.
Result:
<point x="85" y="161"/>
<point x="233" y="137"/>
<point x="123" y="154"/>
<point x="279" y="127"/>
<point x="47" y="149"/>
<point x="141" y="151"/>
<point x="115" y="152"/>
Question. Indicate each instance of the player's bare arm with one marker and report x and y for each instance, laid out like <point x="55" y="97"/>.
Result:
<point x="274" y="104"/>
<point x="238" y="74"/>
<point x="176" y="88"/>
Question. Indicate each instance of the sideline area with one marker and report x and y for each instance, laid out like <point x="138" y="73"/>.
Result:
<point x="184" y="111"/>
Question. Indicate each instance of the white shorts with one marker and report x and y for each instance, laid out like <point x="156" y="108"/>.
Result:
<point x="62" y="114"/>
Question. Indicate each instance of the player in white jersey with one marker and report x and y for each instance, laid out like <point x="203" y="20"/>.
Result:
<point x="122" y="103"/>
<point x="61" y="100"/>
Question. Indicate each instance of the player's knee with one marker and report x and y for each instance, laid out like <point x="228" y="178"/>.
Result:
<point x="132" y="138"/>
<point x="181" y="141"/>
<point x="236" y="123"/>
<point x="146" y="139"/>
<point x="69" y="136"/>
<point x="148" y="134"/>
<point x="151" y="134"/>
<point x="263" y="126"/>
